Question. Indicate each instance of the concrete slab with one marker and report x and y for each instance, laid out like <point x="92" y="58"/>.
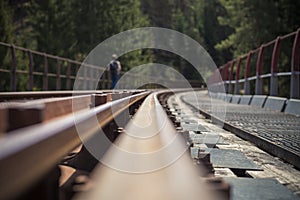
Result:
<point x="207" y="138"/>
<point x="213" y="95"/>
<point x="258" y="100"/>
<point x="293" y="107"/>
<point x="194" y="151"/>
<point x="236" y="99"/>
<point x="245" y="99"/>
<point x="193" y="127"/>
<point x="266" y="188"/>
<point x="275" y="103"/>
<point x="233" y="159"/>
<point x="221" y="96"/>
<point x="228" y="98"/>
<point x="187" y="121"/>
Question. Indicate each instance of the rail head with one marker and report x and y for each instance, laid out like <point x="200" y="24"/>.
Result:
<point x="148" y="161"/>
<point x="8" y="96"/>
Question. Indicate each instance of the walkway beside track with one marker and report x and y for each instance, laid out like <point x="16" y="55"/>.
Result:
<point x="275" y="132"/>
<point x="251" y="172"/>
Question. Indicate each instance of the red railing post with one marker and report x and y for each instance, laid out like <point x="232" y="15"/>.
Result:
<point x="213" y="81"/>
<point x="219" y="77"/>
<point x="226" y="71"/>
<point x="295" y="80"/>
<point x="85" y="78"/>
<point x="230" y="89"/>
<point x="221" y="74"/>
<point x="237" y="77"/>
<point x="247" y="73"/>
<point x="221" y="71"/>
<point x="225" y="77"/>
<point x="92" y="74"/>
<point x="13" y="73"/>
<point x="45" y="76"/>
<point x="58" y="81"/>
<point x="68" y="86"/>
<point x="30" y="72"/>
<point x="259" y="81"/>
<point x="274" y="68"/>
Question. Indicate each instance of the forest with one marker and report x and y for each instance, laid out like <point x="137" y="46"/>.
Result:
<point x="71" y="29"/>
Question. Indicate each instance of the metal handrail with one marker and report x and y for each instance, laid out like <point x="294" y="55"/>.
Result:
<point x="70" y="66"/>
<point x="225" y="74"/>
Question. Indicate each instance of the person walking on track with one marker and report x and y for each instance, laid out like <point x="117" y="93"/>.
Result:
<point x="114" y="67"/>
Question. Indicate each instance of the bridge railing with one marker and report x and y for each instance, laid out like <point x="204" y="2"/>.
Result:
<point x="41" y="71"/>
<point x="25" y="69"/>
<point x="270" y="69"/>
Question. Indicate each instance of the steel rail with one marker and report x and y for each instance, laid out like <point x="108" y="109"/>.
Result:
<point x="148" y="161"/>
<point x="27" y="154"/>
<point x="7" y="96"/>
<point x="22" y="113"/>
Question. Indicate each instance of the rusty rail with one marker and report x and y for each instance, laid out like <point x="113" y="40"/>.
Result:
<point x="7" y="96"/>
<point x="27" y="154"/>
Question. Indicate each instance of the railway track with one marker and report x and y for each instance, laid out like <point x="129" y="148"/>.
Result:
<point x="107" y="145"/>
<point x="42" y="155"/>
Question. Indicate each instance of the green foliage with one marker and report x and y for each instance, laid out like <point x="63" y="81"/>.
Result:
<point x="6" y="29"/>
<point x="52" y="26"/>
<point x="73" y="28"/>
<point x="159" y="12"/>
<point x="256" y="22"/>
<point x="6" y="35"/>
<point x="213" y="31"/>
<point x="179" y="15"/>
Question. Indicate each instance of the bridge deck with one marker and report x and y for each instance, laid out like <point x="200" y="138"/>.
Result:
<point x="215" y="152"/>
<point x="275" y="132"/>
